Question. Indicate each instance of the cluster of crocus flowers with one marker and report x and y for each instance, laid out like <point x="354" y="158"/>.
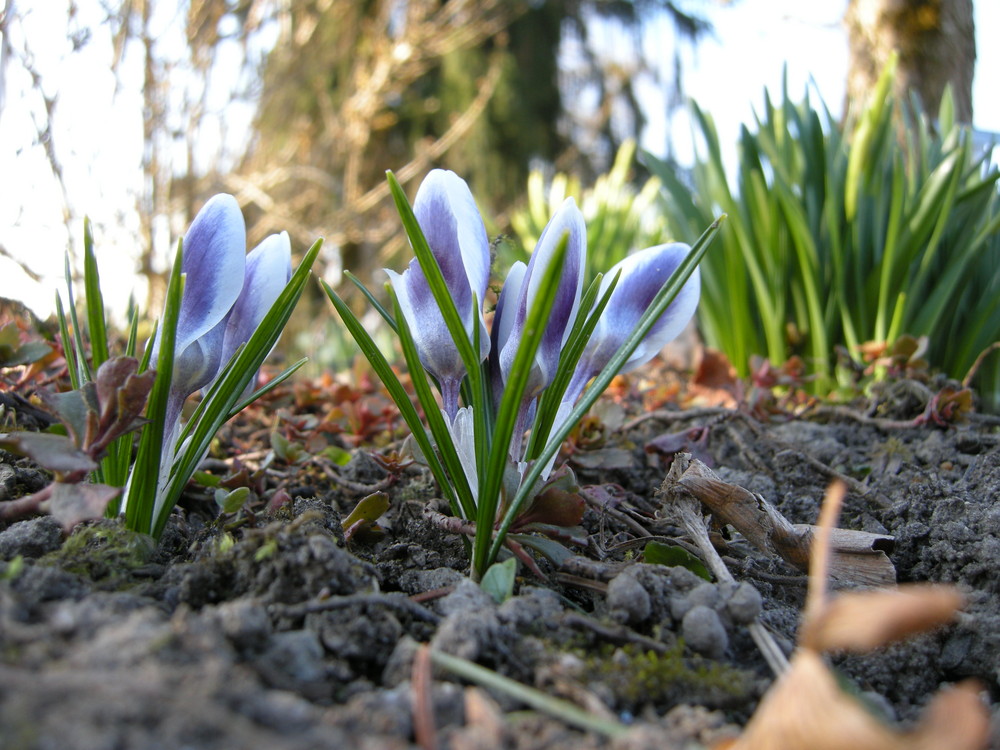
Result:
<point x="226" y="295"/>
<point x="454" y="230"/>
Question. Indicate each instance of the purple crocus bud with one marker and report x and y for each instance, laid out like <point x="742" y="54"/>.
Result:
<point x="268" y="269"/>
<point x="643" y="274"/>
<point x="448" y="216"/>
<point x="568" y="222"/>
<point x="213" y="265"/>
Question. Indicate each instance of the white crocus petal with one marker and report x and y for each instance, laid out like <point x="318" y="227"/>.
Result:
<point x="567" y="222"/>
<point x="453" y="197"/>
<point x="214" y="265"/>
<point x="463" y="435"/>
<point x="268" y="269"/>
<point x="437" y="350"/>
<point x="562" y="413"/>
<point x="503" y="316"/>
<point x="456" y="235"/>
<point x="643" y="274"/>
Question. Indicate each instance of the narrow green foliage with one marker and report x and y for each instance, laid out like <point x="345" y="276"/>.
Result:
<point x="146" y="468"/>
<point x="97" y="327"/>
<point x="225" y="393"/>
<point x="659" y="304"/>
<point x="510" y="403"/>
<point x="843" y="234"/>
<point x="473" y="442"/>
<point x="560" y="709"/>
<point x="397" y="393"/>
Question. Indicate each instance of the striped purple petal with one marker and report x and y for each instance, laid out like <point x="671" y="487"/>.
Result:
<point x="214" y="263"/>
<point x="643" y="274"/>
<point x="567" y="222"/>
<point x="454" y="229"/>
<point x="268" y="269"/>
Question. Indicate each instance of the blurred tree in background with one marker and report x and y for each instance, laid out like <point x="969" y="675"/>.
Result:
<point x="351" y="89"/>
<point x="935" y="43"/>
<point x="298" y="106"/>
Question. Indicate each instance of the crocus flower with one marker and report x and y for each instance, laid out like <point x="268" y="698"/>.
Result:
<point x="448" y="216"/>
<point x="214" y="266"/>
<point x="643" y="274"/>
<point x="268" y="270"/>
<point x="226" y="295"/>
<point x="521" y="288"/>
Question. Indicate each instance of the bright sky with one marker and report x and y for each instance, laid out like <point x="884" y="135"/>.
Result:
<point x="98" y="127"/>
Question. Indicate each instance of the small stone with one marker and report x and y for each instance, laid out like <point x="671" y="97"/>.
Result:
<point x="468" y="634"/>
<point x="704" y="594"/>
<point x="467" y="597"/>
<point x="745" y="604"/>
<point x="244" y="623"/>
<point x="294" y="661"/>
<point x="704" y="632"/>
<point x="627" y="599"/>
<point x="399" y="666"/>
<point x="533" y="606"/>
<point x="32" y="538"/>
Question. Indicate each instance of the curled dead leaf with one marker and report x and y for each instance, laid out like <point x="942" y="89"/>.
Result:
<point x="865" y="620"/>
<point x="807" y="709"/>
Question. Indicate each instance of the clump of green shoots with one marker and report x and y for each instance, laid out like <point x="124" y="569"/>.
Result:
<point x="224" y="312"/>
<point x="510" y="393"/>
<point x="845" y="234"/>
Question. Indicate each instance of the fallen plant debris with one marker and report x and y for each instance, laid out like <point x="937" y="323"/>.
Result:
<point x="807" y="708"/>
<point x="858" y="557"/>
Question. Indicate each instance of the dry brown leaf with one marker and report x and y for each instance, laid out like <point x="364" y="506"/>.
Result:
<point x="865" y="620"/>
<point x="807" y="709"/>
<point x="955" y="719"/>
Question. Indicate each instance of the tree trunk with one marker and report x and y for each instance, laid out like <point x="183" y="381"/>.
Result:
<point x="935" y="41"/>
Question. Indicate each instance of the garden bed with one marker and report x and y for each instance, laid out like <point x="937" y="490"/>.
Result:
<point x="272" y="630"/>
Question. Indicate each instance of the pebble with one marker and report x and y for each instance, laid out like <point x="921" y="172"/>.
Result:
<point x="467" y="597"/>
<point x="744" y="604"/>
<point x="704" y="632"/>
<point x="628" y="599"/>
<point x="32" y="538"/>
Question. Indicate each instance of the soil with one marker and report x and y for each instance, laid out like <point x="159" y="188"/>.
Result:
<point x="272" y="631"/>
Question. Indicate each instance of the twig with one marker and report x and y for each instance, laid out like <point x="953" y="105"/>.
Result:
<point x="424" y="730"/>
<point x="886" y="425"/>
<point x="664" y="415"/>
<point x="978" y="363"/>
<point x="392" y="600"/>
<point x="616" y="514"/>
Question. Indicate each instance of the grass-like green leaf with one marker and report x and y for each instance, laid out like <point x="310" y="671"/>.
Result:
<point x="142" y="489"/>
<point x="511" y="403"/>
<point x="396" y="392"/>
<point x="228" y="388"/>
<point x="656" y="308"/>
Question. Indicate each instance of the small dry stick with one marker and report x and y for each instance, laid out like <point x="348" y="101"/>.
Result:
<point x="424" y="730"/>
<point x="819" y="563"/>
